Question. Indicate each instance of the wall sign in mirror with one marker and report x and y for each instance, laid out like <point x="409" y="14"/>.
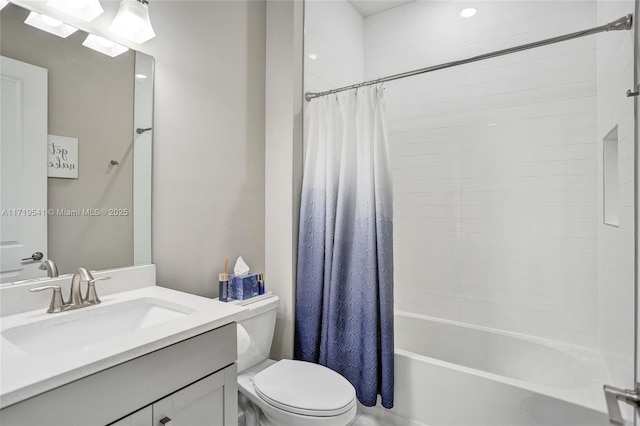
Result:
<point x="92" y="104"/>
<point x="62" y="157"/>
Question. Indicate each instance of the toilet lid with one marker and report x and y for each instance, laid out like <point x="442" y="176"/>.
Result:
<point x="305" y="388"/>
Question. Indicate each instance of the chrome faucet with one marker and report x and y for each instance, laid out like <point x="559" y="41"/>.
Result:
<point x="51" y="268"/>
<point x="76" y="301"/>
<point x="75" y="297"/>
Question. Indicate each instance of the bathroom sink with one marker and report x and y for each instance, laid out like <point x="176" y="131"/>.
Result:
<point x="81" y="328"/>
<point x="41" y="351"/>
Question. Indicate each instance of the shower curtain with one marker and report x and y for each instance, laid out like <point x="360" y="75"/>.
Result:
<point x="344" y="294"/>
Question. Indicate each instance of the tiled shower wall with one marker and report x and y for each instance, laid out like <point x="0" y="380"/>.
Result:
<point x="495" y="165"/>
<point x="333" y="45"/>
<point x="498" y="164"/>
<point x="616" y="260"/>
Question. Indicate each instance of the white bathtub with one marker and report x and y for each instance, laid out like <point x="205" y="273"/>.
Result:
<point x="450" y="373"/>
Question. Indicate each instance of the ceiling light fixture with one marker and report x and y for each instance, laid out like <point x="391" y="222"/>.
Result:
<point x="103" y="45"/>
<point x="132" y="21"/>
<point x="87" y="10"/>
<point x="50" y="25"/>
<point x="468" y="12"/>
<point x="52" y="22"/>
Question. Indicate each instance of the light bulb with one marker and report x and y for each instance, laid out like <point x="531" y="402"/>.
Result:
<point x="132" y="22"/>
<point x="87" y="10"/>
<point x="103" y="45"/>
<point x="50" y="21"/>
<point x="49" y="24"/>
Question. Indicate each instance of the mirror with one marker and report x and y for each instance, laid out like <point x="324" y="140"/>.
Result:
<point x="95" y="208"/>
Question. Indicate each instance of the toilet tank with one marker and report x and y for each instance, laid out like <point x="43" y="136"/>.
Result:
<point x="255" y="333"/>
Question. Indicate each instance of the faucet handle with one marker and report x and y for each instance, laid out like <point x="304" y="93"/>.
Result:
<point x="92" y="297"/>
<point x="56" y="298"/>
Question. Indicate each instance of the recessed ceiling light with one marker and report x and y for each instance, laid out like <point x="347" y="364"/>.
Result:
<point x="50" y="25"/>
<point x="312" y="56"/>
<point x="468" y="12"/>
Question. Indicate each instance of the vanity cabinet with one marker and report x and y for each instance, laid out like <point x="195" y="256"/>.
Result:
<point x="206" y="402"/>
<point x="142" y="417"/>
<point x="202" y="403"/>
<point x="192" y="382"/>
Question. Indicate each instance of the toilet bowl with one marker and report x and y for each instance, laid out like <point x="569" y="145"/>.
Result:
<point x="285" y="392"/>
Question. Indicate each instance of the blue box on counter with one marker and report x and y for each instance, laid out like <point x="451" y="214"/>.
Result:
<point x="244" y="287"/>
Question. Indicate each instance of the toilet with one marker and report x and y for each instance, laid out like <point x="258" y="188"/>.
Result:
<point x="286" y="392"/>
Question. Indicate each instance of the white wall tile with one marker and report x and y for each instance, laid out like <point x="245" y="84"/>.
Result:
<point x="507" y="149"/>
<point x="480" y="198"/>
<point x="616" y="292"/>
<point x="484" y="226"/>
<point x="570" y="167"/>
<point x="565" y="198"/>
<point x="497" y="164"/>
<point x="487" y="239"/>
<point x="340" y="57"/>
<point x="495" y="315"/>
<point x="506" y="298"/>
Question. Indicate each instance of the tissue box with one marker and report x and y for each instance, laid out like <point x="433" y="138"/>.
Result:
<point x="244" y="287"/>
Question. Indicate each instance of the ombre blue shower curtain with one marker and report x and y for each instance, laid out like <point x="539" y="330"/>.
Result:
<point x="344" y="293"/>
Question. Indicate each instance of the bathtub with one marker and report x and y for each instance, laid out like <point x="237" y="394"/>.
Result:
<point x="449" y="373"/>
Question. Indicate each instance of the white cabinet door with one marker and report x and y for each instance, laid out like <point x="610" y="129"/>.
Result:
<point x="23" y="147"/>
<point x="139" y="418"/>
<point x="212" y="401"/>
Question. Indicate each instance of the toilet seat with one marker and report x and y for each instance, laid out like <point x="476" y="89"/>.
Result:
<point x="305" y="388"/>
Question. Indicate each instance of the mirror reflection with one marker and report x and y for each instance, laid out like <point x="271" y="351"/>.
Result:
<point x="76" y="176"/>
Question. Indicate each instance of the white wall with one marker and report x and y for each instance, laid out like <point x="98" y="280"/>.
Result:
<point x="283" y="160"/>
<point x="616" y="248"/>
<point x="208" y="136"/>
<point x="334" y="36"/>
<point x="337" y="61"/>
<point x="495" y="165"/>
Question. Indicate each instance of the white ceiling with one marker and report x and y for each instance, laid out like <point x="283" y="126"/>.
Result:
<point x="371" y="7"/>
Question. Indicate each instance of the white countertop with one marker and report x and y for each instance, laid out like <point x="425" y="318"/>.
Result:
<point x="25" y="375"/>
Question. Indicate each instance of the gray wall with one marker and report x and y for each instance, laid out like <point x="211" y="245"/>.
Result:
<point x="90" y="98"/>
<point x="208" y="136"/>
<point x="208" y="185"/>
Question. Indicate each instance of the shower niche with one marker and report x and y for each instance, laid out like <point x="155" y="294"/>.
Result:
<point x="611" y="178"/>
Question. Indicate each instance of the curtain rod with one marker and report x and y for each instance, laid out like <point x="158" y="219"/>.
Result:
<point x="623" y="23"/>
